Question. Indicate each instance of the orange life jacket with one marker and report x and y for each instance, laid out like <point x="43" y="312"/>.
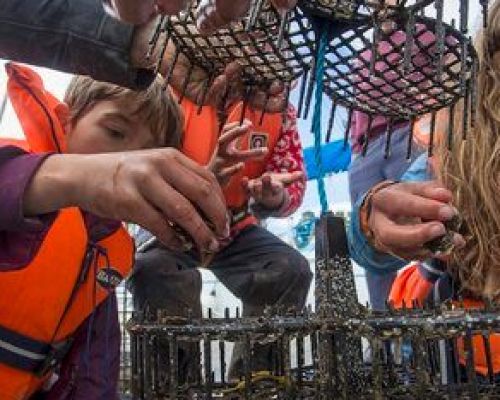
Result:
<point x="43" y="303"/>
<point x="201" y="132"/>
<point x="409" y="286"/>
<point x="412" y="285"/>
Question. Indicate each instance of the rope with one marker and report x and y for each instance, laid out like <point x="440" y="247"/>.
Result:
<point x="316" y="122"/>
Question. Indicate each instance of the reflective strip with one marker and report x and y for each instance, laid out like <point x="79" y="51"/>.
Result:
<point x="429" y="272"/>
<point x="432" y="269"/>
<point x="21" y="352"/>
<point x="146" y="245"/>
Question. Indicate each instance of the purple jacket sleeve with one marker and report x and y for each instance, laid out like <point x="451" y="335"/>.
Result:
<point x="91" y="369"/>
<point x="20" y="237"/>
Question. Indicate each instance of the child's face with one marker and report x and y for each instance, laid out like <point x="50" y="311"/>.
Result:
<point x="109" y="126"/>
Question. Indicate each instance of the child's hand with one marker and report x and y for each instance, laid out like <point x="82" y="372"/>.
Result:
<point x="405" y="216"/>
<point x="269" y="189"/>
<point x="152" y="188"/>
<point x="228" y="159"/>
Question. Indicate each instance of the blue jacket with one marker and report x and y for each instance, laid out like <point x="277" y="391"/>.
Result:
<point x="361" y="251"/>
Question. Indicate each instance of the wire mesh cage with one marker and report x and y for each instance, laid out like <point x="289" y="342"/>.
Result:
<point x="401" y="66"/>
<point x="403" y="75"/>
<point x="381" y="59"/>
<point x="341" y="350"/>
<point x="359" y="10"/>
<point x="273" y="50"/>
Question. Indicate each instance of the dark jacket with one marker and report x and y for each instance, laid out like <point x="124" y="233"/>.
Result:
<point x="74" y="36"/>
<point x="90" y="370"/>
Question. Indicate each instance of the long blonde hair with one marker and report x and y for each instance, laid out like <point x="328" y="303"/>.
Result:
<point x="472" y="171"/>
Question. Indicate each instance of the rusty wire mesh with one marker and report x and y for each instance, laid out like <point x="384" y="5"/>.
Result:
<point x="399" y="77"/>
<point x="257" y="50"/>
<point x="422" y="352"/>
<point x="359" y="10"/>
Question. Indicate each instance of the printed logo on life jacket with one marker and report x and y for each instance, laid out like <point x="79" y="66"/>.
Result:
<point x="109" y="278"/>
<point x="258" y="140"/>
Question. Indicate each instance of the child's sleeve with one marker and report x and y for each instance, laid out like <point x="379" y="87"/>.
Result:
<point x="287" y="157"/>
<point x="20" y="237"/>
<point x="360" y="249"/>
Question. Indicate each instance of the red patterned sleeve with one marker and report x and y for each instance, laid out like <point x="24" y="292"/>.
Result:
<point x="287" y="157"/>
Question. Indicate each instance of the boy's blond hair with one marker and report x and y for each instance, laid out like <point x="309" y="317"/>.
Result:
<point x="157" y="106"/>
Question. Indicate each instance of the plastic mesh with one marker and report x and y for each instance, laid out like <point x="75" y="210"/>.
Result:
<point x="360" y="10"/>
<point x="260" y="56"/>
<point x="397" y="77"/>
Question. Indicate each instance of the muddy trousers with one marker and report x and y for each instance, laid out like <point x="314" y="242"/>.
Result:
<point x="257" y="267"/>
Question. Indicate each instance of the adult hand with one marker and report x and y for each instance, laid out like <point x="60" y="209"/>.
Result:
<point x="269" y="190"/>
<point x="152" y="188"/>
<point x="228" y="159"/>
<point x="138" y="12"/>
<point x="215" y="14"/>
<point x="405" y="216"/>
<point x="219" y="91"/>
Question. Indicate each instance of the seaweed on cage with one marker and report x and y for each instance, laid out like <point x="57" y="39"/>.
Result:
<point x="391" y="373"/>
<point x="410" y="353"/>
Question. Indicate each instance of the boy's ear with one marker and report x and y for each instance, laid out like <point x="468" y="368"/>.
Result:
<point x="62" y="112"/>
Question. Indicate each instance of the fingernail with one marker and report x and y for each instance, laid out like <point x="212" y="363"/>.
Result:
<point x="459" y="241"/>
<point x="438" y="230"/>
<point x="446" y="212"/>
<point x="214" y="246"/>
<point x="227" y="230"/>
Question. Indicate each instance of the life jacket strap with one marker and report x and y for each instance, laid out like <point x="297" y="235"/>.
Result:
<point x="239" y="214"/>
<point x="31" y="355"/>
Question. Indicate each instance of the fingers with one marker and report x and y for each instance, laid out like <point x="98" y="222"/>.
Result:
<point x="288" y="178"/>
<point x="217" y="90"/>
<point x="233" y="70"/>
<point x="177" y="208"/>
<point x="201" y="188"/>
<point x="432" y="190"/>
<point x="459" y="241"/>
<point x="227" y="143"/>
<point x="284" y="4"/>
<point x="273" y="103"/>
<point x="225" y="173"/>
<point x="406" y="241"/>
<point x="233" y="131"/>
<point x="155" y="222"/>
<point x="134" y="12"/>
<point x="253" y="188"/>
<point x="171" y="7"/>
<point x="411" y="203"/>
<point x="214" y="14"/>
<point x="267" y="185"/>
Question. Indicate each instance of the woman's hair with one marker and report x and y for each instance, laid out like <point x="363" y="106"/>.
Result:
<point x="472" y="172"/>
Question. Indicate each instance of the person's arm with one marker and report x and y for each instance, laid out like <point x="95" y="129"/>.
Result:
<point x="152" y="188"/>
<point x="365" y="253"/>
<point x="286" y="160"/>
<point x="20" y="237"/>
<point x="78" y="37"/>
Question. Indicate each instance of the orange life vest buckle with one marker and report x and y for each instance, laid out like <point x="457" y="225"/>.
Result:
<point x="55" y="355"/>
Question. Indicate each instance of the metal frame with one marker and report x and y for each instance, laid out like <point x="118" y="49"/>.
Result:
<point x="334" y="335"/>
